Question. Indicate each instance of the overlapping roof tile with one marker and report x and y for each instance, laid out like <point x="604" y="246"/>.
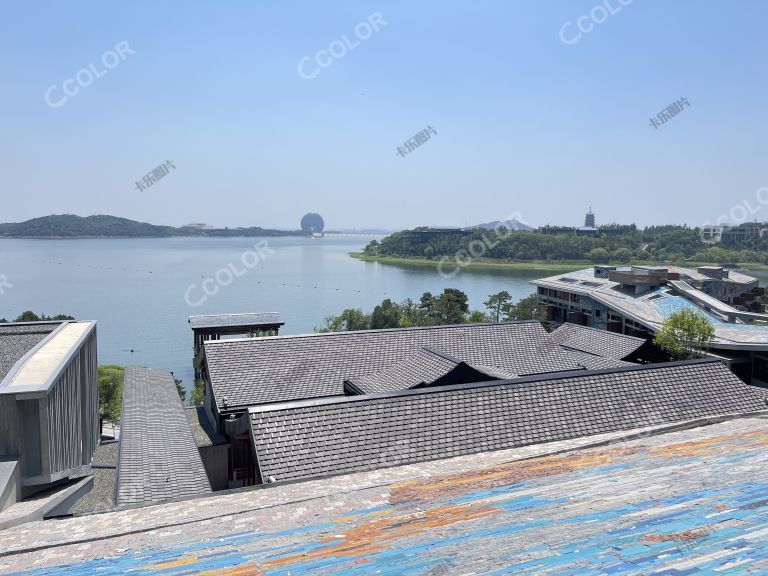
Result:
<point x="336" y="436"/>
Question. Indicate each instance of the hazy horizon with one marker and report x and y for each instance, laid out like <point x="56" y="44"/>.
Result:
<point x="537" y="109"/>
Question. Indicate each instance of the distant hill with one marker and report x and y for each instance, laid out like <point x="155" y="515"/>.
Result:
<point x="509" y="224"/>
<point x="102" y="226"/>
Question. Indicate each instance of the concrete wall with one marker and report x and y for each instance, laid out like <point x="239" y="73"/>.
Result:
<point x="53" y="431"/>
<point x="10" y="484"/>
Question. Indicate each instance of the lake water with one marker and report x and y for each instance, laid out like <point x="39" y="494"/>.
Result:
<point x="140" y="290"/>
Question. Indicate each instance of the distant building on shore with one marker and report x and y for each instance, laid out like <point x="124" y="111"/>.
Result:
<point x="733" y="234"/>
<point x="636" y="300"/>
<point x="312" y="223"/>
<point x="589" y="219"/>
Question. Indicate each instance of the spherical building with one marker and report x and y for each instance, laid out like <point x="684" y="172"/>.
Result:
<point x="312" y="223"/>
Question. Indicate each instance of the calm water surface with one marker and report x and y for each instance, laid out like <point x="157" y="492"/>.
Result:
<point x="135" y="288"/>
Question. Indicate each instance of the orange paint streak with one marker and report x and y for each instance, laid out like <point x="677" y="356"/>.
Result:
<point x="245" y="570"/>
<point x="452" y="485"/>
<point x="676" y="537"/>
<point x="712" y="445"/>
<point x="372" y="536"/>
<point x="174" y="564"/>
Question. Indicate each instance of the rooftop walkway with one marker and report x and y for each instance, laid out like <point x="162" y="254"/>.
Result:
<point x="686" y="501"/>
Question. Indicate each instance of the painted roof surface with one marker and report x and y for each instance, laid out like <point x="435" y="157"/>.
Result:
<point x="651" y="308"/>
<point x="597" y="342"/>
<point x="308" y="439"/>
<point x="254" y="371"/>
<point x="158" y="458"/>
<point x="692" y="502"/>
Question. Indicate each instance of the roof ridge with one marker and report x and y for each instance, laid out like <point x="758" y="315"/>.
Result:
<point x="372" y="330"/>
<point x="441" y="354"/>
<point x="601" y="331"/>
<point x="544" y="377"/>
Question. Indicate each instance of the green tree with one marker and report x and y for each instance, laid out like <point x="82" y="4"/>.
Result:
<point x="478" y="317"/>
<point x="372" y="249"/>
<point x="623" y="255"/>
<point x="111" y="381"/>
<point x="599" y="255"/>
<point x="451" y="307"/>
<point x="426" y="310"/>
<point x="180" y="389"/>
<point x="528" y="308"/>
<point x="30" y="316"/>
<point x="410" y="314"/>
<point x="685" y="334"/>
<point x="385" y="315"/>
<point x="497" y="303"/>
<point x="198" y="392"/>
<point x="349" y="319"/>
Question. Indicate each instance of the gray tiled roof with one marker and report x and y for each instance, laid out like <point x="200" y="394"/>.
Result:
<point x="428" y="367"/>
<point x="158" y="457"/>
<point x="592" y="362"/>
<point x="595" y="341"/>
<point x="18" y="339"/>
<point x="262" y="370"/>
<point x="335" y="436"/>
<point x="234" y="320"/>
<point x="423" y="367"/>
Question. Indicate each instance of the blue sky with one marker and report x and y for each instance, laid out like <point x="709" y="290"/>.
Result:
<point x="525" y="122"/>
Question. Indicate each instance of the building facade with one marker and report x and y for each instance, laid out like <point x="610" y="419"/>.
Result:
<point x="49" y="407"/>
<point x="636" y="300"/>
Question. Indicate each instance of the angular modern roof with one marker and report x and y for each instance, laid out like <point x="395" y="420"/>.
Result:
<point x="653" y="307"/>
<point x="158" y="457"/>
<point x="235" y="320"/>
<point x="18" y="339"/>
<point x="335" y="436"/>
<point x="252" y="371"/>
<point x="595" y="341"/>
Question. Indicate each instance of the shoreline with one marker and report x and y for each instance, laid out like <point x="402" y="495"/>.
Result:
<point x="557" y="266"/>
<point x="8" y="237"/>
